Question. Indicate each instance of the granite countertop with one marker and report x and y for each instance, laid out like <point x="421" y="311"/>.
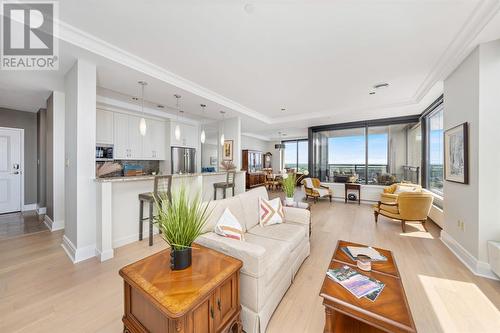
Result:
<point x="151" y="177"/>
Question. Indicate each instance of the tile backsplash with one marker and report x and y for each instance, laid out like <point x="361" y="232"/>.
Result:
<point x="147" y="166"/>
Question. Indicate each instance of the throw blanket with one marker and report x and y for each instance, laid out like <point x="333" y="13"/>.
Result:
<point x="321" y="191"/>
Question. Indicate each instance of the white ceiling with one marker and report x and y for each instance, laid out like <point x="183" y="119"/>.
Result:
<point x="317" y="59"/>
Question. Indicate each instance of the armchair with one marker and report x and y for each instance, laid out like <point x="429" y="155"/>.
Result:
<point x="390" y="194"/>
<point x="410" y="206"/>
<point x="315" y="190"/>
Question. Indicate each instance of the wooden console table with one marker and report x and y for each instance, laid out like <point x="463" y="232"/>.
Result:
<point x="346" y="313"/>
<point x="203" y="298"/>
<point x="353" y="186"/>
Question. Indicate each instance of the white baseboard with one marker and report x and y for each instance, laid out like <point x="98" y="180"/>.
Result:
<point x="41" y="210"/>
<point x="103" y="256"/>
<point x="29" y="207"/>
<point x="132" y="238"/>
<point x="477" y="267"/>
<point x="78" y="254"/>
<point x="53" y="226"/>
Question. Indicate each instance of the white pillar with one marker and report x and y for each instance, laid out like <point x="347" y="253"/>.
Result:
<point x="80" y="189"/>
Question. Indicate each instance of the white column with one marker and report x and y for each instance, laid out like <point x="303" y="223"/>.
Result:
<point x="104" y="232"/>
<point x="80" y="189"/>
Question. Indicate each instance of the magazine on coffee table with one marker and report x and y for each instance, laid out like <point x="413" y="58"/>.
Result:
<point x="373" y="254"/>
<point x="357" y="284"/>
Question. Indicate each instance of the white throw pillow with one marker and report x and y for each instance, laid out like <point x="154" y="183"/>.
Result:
<point x="270" y="211"/>
<point x="229" y="226"/>
<point x="403" y="188"/>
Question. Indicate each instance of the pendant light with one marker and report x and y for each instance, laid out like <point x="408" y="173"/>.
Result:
<point x="222" y="138"/>
<point x="177" y="130"/>
<point x="202" y="135"/>
<point x="280" y="145"/>
<point x="142" y="122"/>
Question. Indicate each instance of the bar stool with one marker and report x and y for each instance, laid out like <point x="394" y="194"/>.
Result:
<point x="229" y="183"/>
<point x="162" y="186"/>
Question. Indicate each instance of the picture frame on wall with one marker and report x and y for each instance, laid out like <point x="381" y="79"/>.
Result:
<point x="456" y="154"/>
<point x="227" y="150"/>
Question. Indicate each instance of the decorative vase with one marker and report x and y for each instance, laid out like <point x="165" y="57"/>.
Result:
<point x="289" y="201"/>
<point x="180" y="259"/>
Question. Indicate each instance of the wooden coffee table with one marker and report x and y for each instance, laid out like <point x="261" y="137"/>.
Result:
<point x="346" y="313"/>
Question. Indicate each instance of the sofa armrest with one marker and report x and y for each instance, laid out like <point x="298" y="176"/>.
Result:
<point x="252" y="255"/>
<point x="297" y="215"/>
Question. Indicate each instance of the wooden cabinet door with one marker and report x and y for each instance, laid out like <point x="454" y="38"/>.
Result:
<point x="120" y="136"/>
<point x="104" y="128"/>
<point x="203" y="317"/>
<point x="226" y="302"/>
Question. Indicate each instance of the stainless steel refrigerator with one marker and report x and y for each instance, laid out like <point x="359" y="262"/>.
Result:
<point x="183" y="160"/>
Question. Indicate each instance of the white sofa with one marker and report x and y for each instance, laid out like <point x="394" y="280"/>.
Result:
<point x="271" y="255"/>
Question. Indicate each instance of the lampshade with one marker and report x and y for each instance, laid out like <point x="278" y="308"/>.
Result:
<point x="177" y="132"/>
<point x="202" y="136"/>
<point x="142" y="126"/>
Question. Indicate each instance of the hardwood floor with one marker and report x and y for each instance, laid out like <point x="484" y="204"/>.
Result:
<point x="42" y="291"/>
<point x="18" y="224"/>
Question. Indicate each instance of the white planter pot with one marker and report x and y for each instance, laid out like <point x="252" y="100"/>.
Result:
<point x="289" y="201"/>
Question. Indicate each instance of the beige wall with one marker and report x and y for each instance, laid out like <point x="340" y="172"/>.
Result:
<point x="28" y="122"/>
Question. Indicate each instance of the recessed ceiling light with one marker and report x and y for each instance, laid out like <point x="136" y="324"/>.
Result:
<point x="372" y="92"/>
<point x="283" y="109"/>
<point x="135" y="98"/>
<point x="381" y="85"/>
<point x="159" y="106"/>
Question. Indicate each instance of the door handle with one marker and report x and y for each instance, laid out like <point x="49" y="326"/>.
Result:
<point x="219" y="305"/>
<point x="15" y="173"/>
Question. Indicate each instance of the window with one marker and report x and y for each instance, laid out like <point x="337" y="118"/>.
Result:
<point x="346" y="154"/>
<point x="295" y="155"/>
<point x="369" y="153"/>
<point x="435" y="151"/>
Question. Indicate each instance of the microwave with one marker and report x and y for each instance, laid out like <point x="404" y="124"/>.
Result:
<point x="104" y="153"/>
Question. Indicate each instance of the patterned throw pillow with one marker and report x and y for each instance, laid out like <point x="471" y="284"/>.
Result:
<point x="228" y="226"/>
<point x="270" y="211"/>
<point x="403" y="188"/>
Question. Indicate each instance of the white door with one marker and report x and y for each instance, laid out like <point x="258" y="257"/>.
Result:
<point x="104" y="129"/>
<point x="10" y="170"/>
<point x="134" y="137"/>
<point x="120" y="134"/>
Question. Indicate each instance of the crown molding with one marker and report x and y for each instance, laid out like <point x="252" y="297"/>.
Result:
<point x="455" y="53"/>
<point x="80" y="38"/>
<point x="460" y="46"/>
<point x="255" y="136"/>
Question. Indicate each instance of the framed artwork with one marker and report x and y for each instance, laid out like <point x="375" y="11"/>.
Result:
<point x="213" y="160"/>
<point x="227" y="150"/>
<point x="456" y="154"/>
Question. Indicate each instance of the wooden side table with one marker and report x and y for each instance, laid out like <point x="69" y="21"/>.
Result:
<point x="353" y="186"/>
<point x="203" y="298"/>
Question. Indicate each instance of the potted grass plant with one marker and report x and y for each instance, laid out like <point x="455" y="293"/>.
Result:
<point x="181" y="221"/>
<point x="289" y="187"/>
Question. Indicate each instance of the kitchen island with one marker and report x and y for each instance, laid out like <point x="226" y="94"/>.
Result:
<point x="118" y="204"/>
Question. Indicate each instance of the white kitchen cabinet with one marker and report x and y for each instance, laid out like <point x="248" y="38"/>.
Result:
<point x="120" y="136"/>
<point x="134" y="138"/>
<point x="153" y="144"/>
<point x="131" y="145"/>
<point x="188" y="138"/>
<point x="104" y="128"/>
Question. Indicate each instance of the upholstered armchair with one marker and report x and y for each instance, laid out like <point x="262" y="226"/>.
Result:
<point x="410" y="206"/>
<point x="391" y="193"/>
<point x="314" y="189"/>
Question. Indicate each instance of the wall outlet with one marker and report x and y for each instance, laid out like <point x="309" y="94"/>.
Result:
<point x="461" y="225"/>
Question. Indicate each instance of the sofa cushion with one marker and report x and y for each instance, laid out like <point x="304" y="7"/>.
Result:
<point x="218" y="207"/>
<point x="250" y="203"/>
<point x="292" y="234"/>
<point x="270" y="211"/>
<point x="276" y="254"/>
<point x="229" y="226"/>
